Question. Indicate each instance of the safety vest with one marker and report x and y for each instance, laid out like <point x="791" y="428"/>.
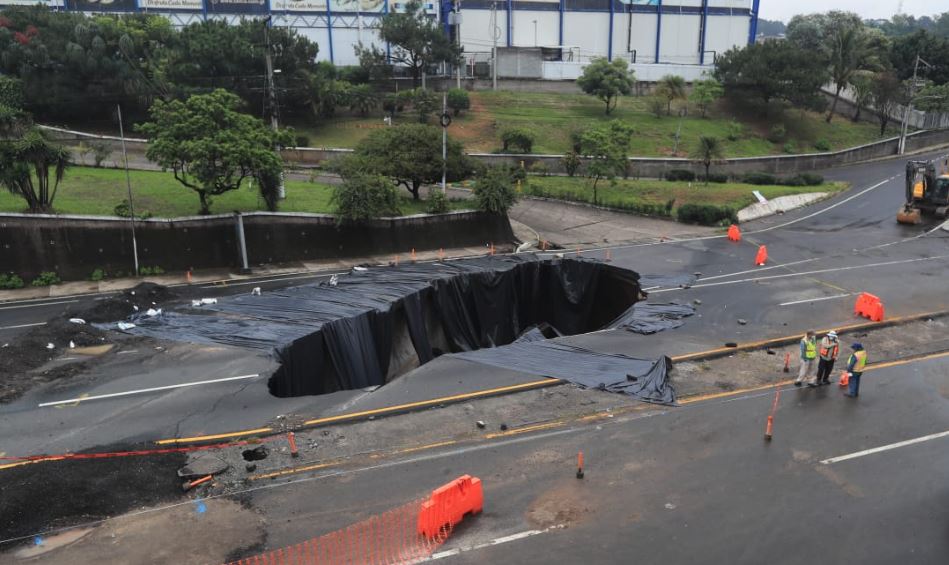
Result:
<point x="861" y="357"/>
<point x="810" y="348"/>
<point x="824" y="351"/>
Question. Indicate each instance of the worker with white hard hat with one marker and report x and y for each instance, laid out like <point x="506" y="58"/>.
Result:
<point x="829" y="348"/>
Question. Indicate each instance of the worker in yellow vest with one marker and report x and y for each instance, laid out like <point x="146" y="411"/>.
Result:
<point x="855" y="366"/>
<point x="808" y="357"/>
<point x="829" y="348"/>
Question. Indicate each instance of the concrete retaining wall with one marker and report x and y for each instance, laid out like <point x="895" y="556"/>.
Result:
<point x="74" y="246"/>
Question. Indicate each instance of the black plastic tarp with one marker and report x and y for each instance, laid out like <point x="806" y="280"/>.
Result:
<point x="644" y="379"/>
<point x="647" y="318"/>
<point x="330" y="338"/>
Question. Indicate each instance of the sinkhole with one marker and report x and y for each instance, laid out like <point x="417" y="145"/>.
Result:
<point x="382" y="323"/>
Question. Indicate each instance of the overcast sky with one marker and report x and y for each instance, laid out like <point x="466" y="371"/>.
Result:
<point x="784" y="10"/>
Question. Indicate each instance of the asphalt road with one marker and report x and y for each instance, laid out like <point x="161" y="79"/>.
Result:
<point x="828" y="252"/>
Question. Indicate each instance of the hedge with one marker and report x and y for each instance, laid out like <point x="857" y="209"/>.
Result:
<point x="705" y="214"/>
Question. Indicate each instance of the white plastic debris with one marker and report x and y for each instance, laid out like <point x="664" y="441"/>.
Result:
<point x="360" y="269"/>
<point x="334" y="280"/>
<point x="209" y="301"/>
<point x="125" y="326"/>
<point x="153" y="312"/>
<point x="195" y="303"/>
<point x="77" y="320"/>
<point x="72" y="345"/>
<point x="132" y="293"/>
<point x="50" y="346"/>
<point x="255" y="291"/>
<point x="134" y="307"/>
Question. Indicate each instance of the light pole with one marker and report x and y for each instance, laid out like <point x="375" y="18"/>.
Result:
<point x="908" y="109"/>
<point x="272" y="97"/>
<point x="495" y="33"/>
<point x="535" y="33"/>
<point x="128" y="184"/>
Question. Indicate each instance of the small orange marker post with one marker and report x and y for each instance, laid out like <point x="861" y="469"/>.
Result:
<point x="579" y="464"/>
<point x="414" y="257"/>
<point x="397" y="259"/>
<point x="189" y="276"/>
<point x="441" y="253"/>
<point x="787" y="362"/>
<point x="492" y="248"/>
<point x="543" y="245"/>
<point x="609" y="256"/>
<point x="774" y="408"/>
<point x="768" y="428"/>
<point x="579" y="251"/>
<point x="190" y="485"/>
<point x="292" y="440"/>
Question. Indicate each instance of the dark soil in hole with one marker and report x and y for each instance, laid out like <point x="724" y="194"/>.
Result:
<point x="39" y="497"/>
<point x="256" y="454"/>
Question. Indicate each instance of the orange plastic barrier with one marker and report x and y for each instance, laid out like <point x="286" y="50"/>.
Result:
<point x="733" y="233"/>
<point x="869" y="306"/>
<point x="449" y="504"/>
<point x="762" y="257"/>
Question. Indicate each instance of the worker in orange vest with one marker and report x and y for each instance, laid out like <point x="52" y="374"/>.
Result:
<point x="829" y="348"/>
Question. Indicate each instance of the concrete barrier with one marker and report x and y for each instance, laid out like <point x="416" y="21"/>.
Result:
<point x="779" y="204"/>
<point x="74" y="246"/>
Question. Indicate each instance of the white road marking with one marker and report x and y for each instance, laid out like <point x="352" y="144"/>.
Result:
<point x="815" y="299"/>
<point x="38" y="305"/>
<point x="817" y="272"/>
<point x="144" y="390"/>
<point x="23" y="326"/>
<point x="822" y="210"/>
<point x="497" y="541"/>
<point x="885" y="448"/>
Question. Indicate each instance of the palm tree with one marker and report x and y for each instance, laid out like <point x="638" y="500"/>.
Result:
<point x="852" y="47"/>
<point x="25" y="163"/>
<point x="708" y="150"/>
<point x="671" y="87"/>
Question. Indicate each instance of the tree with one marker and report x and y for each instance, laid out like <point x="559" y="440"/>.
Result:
<point x="607" y="80"/>
<point x="773" y="70"/>
<point x="364" y="197"/>
<point x="417" y="40"/>
<point x="361" y="98"/>
<point x="933" y="49"/>
<point x="886" y="94"/>
<point x="708" y="150"/>
<point x="934" y="98"/>
<point x="25" y="163"/>
<point x="372" y="61"/>
<point x="494" y="190"/>
<point x="705" y="92"/>
<point x="862" y="84"/>
<point x="411" y="155"/>
<point x="841" y="38"/>
<point x="607" y="146"/>
<point x="210" y="146"/>
<point x="670" y="87"/>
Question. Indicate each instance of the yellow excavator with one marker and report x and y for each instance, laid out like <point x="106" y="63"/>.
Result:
<point x="927" y="190"/>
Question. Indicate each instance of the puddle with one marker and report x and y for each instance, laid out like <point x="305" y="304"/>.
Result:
<point x="52" y="542"/>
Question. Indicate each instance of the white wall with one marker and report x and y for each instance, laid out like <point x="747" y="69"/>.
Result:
<point x="589" y="31"/>
<point x="725" y="33"/>
<point x="679" y="41"/>
<point x="548" y="28"/>
<point x="643" y="36"/>
<point x="476" y="30"/>
<point x="555" y="70"/>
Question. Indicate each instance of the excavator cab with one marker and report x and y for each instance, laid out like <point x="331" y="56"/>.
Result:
<point x="927" y="190"/>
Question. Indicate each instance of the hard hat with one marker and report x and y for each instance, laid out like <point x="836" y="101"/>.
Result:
<point x="856" y="346"/>
<point x="832" y="334"/>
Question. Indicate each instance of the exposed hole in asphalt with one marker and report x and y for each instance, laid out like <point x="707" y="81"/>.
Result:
<point x="256" y="454"/>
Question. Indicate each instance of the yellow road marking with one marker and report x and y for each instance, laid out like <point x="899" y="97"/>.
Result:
<point x="525" y="429"/>
<point x="30" y="462"/>
<point x="195" y="439"/>
<point x="294" y="470"/>
<point x="884" y="365"/>
<point x="714" y="395"/>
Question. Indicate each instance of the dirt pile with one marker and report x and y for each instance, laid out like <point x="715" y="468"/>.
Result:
<point x="121" y="306"/>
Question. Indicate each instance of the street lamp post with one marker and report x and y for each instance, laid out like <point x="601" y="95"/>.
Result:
<point x="535" y="33"/>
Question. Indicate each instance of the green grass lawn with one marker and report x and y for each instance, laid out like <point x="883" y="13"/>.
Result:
<point x="553" y="116"/>
<point x="639" y="194"/>
<point x="91" y="191"/>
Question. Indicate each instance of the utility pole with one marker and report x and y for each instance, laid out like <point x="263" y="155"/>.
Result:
<point x="460" y="65"/>
<point x="445" y="122"/>
<point x="494" y="50"/>
<point x="908" y="109"/>
<point x="128" y="184"/>
<point x="272" y="97"/>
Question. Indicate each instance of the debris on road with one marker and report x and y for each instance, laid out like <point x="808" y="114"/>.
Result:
<point x="77" y="320"/>
<point x="201" y="465"/>
<point x="255" y="291"/>
<point x="125" y="326"/>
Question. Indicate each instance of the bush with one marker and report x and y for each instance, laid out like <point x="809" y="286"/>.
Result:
<point x="494" y="190"/>
<point x="656" y="105"/>
<point x="705" y="214"/>
<point x="10" y="281"/>
<point x="735" y="131"/>
<point x="788" y="148"/>
<point x="437" y="201"/>
<point x="777" y="133"/>
<point x="97" y="275"/>
<point x="517" y="140"/>
<point x="812" y="179"/>
<point x="822" y="145"/>
<point x="365" y="196"/>
<point x="122" y="210"/>
<point x="759" y="179"/>
<point x="716" y="178"/>
<point x="425" y="103"/>
<point x="46" y="278"/>
<point x="539" y="168"/>
<point x="150" y="271"/>
<point x="458" y="100"/>
<point x="576" y="139"/>
<point x="680" y="175"/>
<point x="571" y="163"/>
<point x="101" y="150"/>
<point x="301" y="140"/>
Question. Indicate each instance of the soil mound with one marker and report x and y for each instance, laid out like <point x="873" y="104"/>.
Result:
<point x="119" y="307"/>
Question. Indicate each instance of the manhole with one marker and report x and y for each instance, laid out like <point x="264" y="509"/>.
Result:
<point x="256" y="454"/>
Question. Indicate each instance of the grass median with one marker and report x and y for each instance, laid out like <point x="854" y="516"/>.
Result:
<point x="91" y="191"/>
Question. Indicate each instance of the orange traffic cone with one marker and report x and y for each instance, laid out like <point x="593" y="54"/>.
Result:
<point x="733" y="233"/>
<point x="762" y="257"/>
<point x="844" y="378"/>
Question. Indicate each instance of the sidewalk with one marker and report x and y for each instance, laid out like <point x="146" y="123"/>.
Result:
<point x="224" y="277"/>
